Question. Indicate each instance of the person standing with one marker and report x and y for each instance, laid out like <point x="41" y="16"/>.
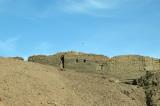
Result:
<point x="77" y="60"/>
<point x="62" y="62"/>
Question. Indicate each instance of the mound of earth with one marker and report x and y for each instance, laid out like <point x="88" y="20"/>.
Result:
<point x="151" y="84"/>
<point x="130" y="66"/>
<point x="31" y="84"/>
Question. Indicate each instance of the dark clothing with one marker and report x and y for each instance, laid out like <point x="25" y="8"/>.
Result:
<point x="62" y="61"/>
<point x="84" y="60"/>
<point x="77" y="60"/>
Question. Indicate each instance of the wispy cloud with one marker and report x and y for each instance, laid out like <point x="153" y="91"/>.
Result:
<point x="2" y="1"/>
<point x="2" y="5"/>
<point x="43" y="8"/>
<point x="84" y="6"/>
<point x="44" y="47"/>
<point x="8" y="47"/>
<point x="95" y="6"/>
<point x="25" y="8"/>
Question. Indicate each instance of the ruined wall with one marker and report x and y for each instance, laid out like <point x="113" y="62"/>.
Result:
<point x="18" y="58"/>
<point x="39" y="59"/>
<point x="126" y="63"/>
<point x="70" y="60"/>
<point x="132" y="62"/>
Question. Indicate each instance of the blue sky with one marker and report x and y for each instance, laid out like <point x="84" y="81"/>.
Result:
<point x="109" y="27"/>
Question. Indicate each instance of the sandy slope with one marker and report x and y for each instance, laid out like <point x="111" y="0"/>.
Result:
<point x="31" y="84"/>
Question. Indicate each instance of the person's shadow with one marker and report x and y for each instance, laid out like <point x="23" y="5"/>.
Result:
<point x="1" y="102"/>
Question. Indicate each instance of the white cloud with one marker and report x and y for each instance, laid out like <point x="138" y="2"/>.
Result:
<point x="2" y="1"/>
<point x="8" y="45"/>
<point x="85" y="5"/>
<point x="2" y="7"/>
<point x="91" y="6"/>
<point x="42" y="9"/>
<point x="44" y="48"/>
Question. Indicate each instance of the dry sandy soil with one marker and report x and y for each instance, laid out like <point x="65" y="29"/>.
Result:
<point x="32" y="84"/>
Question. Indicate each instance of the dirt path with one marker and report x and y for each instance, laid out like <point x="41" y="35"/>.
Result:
<point x="33" y="85"/>
<point x="30" y="84"/>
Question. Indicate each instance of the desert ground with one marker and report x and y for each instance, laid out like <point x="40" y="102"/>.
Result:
<point x="33" y="84"/>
